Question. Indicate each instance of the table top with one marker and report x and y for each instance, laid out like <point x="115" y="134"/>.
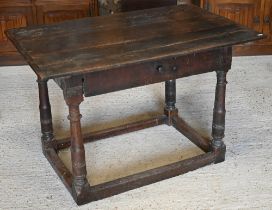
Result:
<point x="101" y="43"/>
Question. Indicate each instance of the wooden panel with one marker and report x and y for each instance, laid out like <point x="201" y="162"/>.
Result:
<point x="49" y="11"/>
<point x="245" y="12"/>
<point x="62" y="15"/>
<point x="267" y="22"/>
<point x="11" y="21"/>
<point x="11" y="58"/>
<point x="20" y="13"/>
<point x="94" y="10"/>
<point x="15" y="3"/>
<point x="261" y="21"/>
<point x="47" y="15"/>
<point x="255" y="49"/>
<point x="13" y="17"/>
<point x="61" y="2"/>
<point x="103" y="43"/>
<point x="255" y="14"/>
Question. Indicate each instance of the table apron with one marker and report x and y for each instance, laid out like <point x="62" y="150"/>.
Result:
<point x="136" y="75"/>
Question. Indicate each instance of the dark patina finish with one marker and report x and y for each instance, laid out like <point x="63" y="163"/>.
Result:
<point x="99" y="55"/>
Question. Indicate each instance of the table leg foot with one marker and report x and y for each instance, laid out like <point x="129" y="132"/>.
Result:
<point x="81" y="194"/>
<point x="220" y="153"/>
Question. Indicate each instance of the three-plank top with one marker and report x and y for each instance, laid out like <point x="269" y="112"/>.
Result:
<point x="100" y="43"/>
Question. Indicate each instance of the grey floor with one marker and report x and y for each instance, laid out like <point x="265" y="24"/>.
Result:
<point x="243" y="181"/>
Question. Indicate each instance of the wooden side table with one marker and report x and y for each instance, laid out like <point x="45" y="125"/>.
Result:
<point x="99" y="55"/>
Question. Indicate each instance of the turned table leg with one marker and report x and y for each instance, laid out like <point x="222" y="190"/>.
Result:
<point x="170" y="100"/>
<point x="77" y="146"/>
<point x="45" y="112"/>
<point x="219" y="112"/>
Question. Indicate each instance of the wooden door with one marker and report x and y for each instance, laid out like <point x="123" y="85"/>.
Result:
<point x="245" y="12"/>
<point x="13" y="14"/>
<point x="52" y="11"/>
<point x="255" y="14"/>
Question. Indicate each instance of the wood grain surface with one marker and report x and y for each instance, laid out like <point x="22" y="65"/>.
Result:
<point x="101" y="43"/>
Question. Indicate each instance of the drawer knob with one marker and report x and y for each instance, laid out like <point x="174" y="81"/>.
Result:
<point x="159" y="68"/>
<point x="174" y="68"/>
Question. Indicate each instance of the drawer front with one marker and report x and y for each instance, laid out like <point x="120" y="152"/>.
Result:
<point x="101" y="82"/>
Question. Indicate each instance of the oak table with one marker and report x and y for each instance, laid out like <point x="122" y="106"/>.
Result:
<point x="98" y="55"/>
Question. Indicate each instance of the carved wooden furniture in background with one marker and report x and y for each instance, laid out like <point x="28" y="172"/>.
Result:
<point x="20" y="13"/>
<point x="13" y="14"/>
<point x="49" y="11"/>
<point x="80" y="55"/>
<point x="255" y="14"/>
